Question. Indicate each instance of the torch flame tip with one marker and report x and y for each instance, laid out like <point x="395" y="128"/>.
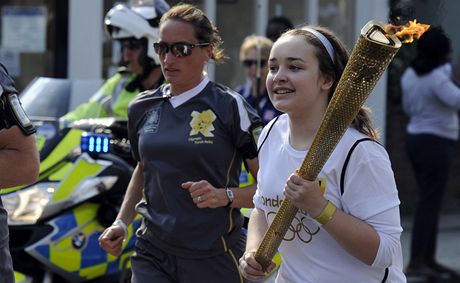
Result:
<point x="408" y="32"/>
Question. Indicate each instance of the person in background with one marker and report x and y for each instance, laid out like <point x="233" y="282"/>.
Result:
<point x="431" y="100"/>
<point x="189" y="138"/>
<point x="19" y="161"/>
<point x="276" y="26"/>
<point x="255" y="50"/>
<point x="344" y="231"/>
<point x="136" y="28"/>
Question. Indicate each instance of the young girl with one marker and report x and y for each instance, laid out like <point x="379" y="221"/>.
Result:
<point x="351" y="232"/>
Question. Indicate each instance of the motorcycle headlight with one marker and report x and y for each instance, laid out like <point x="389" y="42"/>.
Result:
<point x="26" y="206"/>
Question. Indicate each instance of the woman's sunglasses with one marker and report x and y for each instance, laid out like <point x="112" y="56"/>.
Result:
<point x="177" y="49"/>
<point x="250" y="63"/>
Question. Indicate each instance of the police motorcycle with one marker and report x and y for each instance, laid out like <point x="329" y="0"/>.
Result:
<point x="55" y="223"/>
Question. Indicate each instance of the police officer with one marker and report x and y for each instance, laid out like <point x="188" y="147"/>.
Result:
<point x="19" y="161"/>
<point x="136" y="28"/>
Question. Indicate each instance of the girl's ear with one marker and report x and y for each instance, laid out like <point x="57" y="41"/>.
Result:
<point x="327" y="82"/>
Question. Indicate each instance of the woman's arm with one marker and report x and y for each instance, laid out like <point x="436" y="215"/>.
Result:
<point x="112" y="238"/>
<point x="244" y="195"/>
<point x="133" y="195"/>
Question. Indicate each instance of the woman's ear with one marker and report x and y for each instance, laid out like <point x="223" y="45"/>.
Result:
<point x="209" y="52"/>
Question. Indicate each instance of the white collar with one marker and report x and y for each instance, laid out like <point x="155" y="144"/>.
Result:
<point x="180" y="99"/>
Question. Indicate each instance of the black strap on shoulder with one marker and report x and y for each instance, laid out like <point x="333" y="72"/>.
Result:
<point x="342" y="178"/>
<point x="345" y="164"/>
<point x="266" y="136"/>
<point x="268" y="132"/>
<point x="385" y="277"/>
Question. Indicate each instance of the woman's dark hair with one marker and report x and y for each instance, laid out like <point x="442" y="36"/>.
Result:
<point x="205" y="31"/>
<point x="433" y="49"/>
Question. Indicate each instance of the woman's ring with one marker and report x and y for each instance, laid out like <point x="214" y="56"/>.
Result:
<point x="199" y="199"/>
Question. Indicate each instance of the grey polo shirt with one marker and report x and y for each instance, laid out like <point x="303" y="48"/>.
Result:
<point x="205" y="137"/>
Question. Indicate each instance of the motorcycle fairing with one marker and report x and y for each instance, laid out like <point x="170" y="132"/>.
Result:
<point x="21" y="278"/>
<point x="80" y="262"/>
<point x="84" y="168"/>
<point x="67" y="145"/>
<point x="56" y="160"/>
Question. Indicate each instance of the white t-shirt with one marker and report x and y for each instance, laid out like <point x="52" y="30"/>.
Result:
<point x="309" y="253"/>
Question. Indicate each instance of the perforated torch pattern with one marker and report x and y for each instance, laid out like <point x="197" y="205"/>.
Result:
<point x="368" y="61"/>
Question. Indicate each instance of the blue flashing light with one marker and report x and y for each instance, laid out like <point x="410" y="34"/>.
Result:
<point x="95" y="143"/>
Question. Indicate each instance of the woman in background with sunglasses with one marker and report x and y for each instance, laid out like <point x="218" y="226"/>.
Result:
<point x="189" y="137"/>
<point x="253" y="49"/>
<point x="256" y="48"/>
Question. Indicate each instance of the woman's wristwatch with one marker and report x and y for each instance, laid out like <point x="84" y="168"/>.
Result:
<point x="230" y="196"/>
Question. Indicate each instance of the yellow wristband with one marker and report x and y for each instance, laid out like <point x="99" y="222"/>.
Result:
<point x="326" y="215"/>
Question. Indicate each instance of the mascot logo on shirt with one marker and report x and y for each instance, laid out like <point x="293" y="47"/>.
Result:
<point x="202" y="123"/>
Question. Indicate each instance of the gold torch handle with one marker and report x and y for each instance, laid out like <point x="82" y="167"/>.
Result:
<point x="369" y="59"/>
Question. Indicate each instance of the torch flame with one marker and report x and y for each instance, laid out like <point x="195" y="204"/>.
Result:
<point x="408" y="32"/>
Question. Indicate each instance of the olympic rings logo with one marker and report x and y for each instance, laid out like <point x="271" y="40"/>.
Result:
<point x="298" y="228"/>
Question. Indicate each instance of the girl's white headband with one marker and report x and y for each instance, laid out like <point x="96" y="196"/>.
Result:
<point x="326" y="43"/>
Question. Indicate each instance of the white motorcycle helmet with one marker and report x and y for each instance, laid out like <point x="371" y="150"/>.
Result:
<point x="138" y="21"/>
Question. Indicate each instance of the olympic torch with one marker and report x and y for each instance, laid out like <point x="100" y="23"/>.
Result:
<point x="370" y="57"/>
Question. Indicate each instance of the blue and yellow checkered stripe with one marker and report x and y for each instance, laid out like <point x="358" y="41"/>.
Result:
<point x="88" y="261"/>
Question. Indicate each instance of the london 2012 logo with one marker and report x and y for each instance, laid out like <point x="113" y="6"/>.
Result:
<point x="202" y="123"/>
